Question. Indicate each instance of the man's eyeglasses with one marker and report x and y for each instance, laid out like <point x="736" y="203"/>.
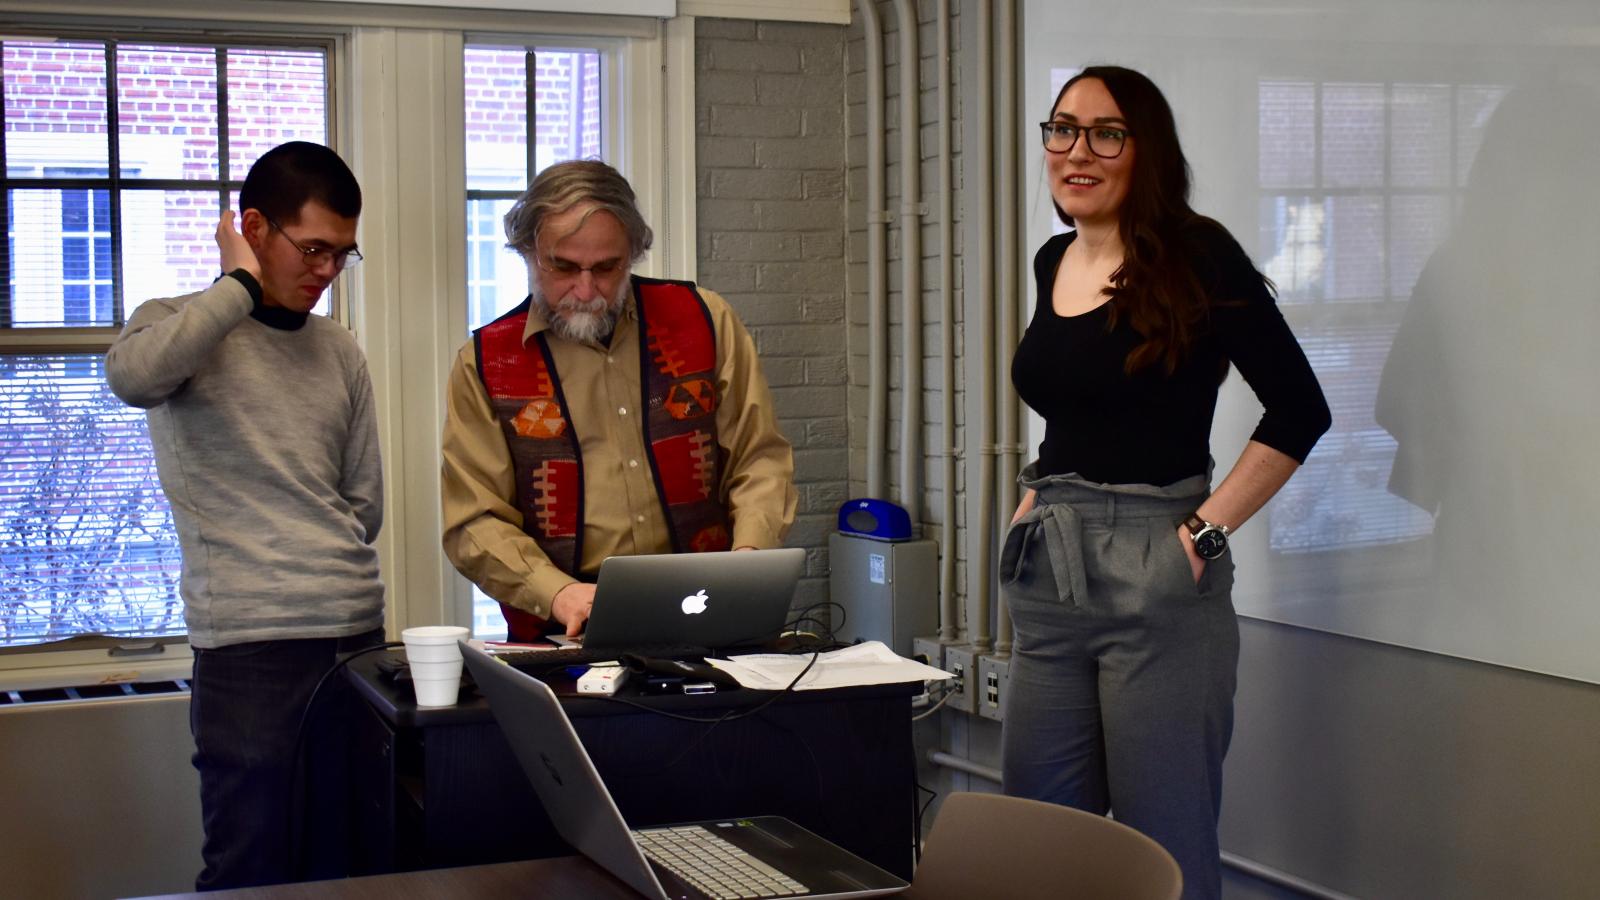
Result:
<point x="567" y="270"/>
<point x="1105" y="141"/>
<point x="316" y="257"/>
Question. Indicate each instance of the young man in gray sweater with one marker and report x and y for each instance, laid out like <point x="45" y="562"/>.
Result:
<point x="267" y="445"/>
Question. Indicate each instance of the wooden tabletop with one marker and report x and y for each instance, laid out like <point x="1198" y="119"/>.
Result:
<point x="560" y="878"/>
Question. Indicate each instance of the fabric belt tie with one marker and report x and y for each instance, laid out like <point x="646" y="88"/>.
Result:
<point x="1063" y="540"/>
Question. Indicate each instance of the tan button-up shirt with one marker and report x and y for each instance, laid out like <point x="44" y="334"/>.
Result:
<point x="622" y="512"/>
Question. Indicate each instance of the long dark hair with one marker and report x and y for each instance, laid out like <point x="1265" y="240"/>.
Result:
<point x="1156" y="286"/>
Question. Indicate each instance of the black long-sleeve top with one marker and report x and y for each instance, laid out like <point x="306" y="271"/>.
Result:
<point x="1151" y="427"/>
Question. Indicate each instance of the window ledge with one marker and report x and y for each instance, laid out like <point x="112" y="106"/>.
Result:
<point x="75" y="668"/>
<point x="832" y="12"/>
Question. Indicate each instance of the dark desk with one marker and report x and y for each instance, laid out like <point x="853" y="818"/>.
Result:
<point x="561" y="878"/>
<point x="443" y="788"/>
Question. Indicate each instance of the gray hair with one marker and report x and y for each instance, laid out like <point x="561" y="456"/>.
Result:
<point x="564" y="185"/>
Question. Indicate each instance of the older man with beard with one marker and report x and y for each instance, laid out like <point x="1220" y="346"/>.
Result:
<point x="606" y="415"/>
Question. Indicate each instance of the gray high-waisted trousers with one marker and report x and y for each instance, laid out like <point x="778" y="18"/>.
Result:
<point x="1122" y="673"/>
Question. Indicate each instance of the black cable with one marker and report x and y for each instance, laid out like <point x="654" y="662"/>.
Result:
<point x="916" y="843"/>
<point x="824" y="808"/>
<point x="728" y="716"/>
<point x="295" y="836"/>
<point x="934" y="705"/>
<point x="917" y="809"/>
<point x="733" y="714"/>
<point x="830" y="628"/>
<point x="822" y="633"/>
<point x="804" y="616"/>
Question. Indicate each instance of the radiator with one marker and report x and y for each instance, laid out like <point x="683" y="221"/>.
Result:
<point x="97" y="796"/>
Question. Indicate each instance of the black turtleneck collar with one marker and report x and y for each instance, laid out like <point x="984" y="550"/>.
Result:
<point x="270" y="316"/>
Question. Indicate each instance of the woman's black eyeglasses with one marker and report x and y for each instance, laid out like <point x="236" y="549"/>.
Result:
<point x="1105" y="141"/>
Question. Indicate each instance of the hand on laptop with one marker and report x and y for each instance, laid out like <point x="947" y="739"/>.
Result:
<point x="571" y="606"/>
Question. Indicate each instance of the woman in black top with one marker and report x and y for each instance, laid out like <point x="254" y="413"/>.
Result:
<point x="1116" y="568"/>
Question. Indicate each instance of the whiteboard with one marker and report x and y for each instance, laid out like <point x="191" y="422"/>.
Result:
<point x="1422" y="183"/>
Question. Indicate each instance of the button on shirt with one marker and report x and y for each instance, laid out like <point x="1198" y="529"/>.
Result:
<point x="622" y="513"/>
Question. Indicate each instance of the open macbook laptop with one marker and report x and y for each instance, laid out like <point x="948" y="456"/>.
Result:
<point x="758" y="857"/>
<point x="716" y="600"/>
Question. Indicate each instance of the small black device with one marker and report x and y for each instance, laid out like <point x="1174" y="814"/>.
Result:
<point x="1210" y="541"/>
<point x="676" y="684"/>
<point x="652" y="668"/>
<point x="663" y="684"/>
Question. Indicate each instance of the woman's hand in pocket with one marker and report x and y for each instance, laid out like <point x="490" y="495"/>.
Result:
<point x="1196" y="564"/>
<point x="1028" y="500"/>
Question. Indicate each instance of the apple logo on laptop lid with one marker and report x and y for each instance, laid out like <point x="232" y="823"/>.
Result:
<point x="695" y="603"/>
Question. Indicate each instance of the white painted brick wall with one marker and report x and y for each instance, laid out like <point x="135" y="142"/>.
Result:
<point x="770" y="158"/>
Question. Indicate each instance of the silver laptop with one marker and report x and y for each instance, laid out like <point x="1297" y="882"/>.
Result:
<point x="764" y="856"/>
<point x="729" y="599"/>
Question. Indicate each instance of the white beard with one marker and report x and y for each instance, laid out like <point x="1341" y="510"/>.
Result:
<point x="583" y="321"/>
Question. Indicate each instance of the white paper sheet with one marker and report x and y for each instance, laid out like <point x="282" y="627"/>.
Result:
<point x="861" y="664"/>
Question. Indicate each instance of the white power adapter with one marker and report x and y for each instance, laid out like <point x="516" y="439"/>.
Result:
<point x="602" y="679"/>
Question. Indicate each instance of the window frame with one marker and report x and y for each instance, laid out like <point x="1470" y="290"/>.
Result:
<point x="650" y="141"/>
<point x="126" y="658"/>
<point x="391" y="313"/>
<point x="114" y="182"/>
<point x="608" y="52"/>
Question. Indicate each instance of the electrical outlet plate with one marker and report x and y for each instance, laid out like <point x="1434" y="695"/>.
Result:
<point x="994" y="679"/>
<point x="961" y="662"/>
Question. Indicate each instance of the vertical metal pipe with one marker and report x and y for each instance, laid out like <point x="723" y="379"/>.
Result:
<point x="911" y="460"/>
<point x="979" y="183"/>
<point x="1005" y="399"/>
<point x="948" y="614"/>
<point x="877" y="276"/>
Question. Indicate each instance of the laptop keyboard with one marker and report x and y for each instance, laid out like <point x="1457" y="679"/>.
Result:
<point x="713" y="865"/>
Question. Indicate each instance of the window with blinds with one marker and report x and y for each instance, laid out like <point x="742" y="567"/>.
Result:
<point x="88" y="545"/>
<point x="119" y="158"/>
<point x="526" y="108"/>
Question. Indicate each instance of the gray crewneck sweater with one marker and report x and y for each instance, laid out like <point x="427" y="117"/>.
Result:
<point x="267" y="444"/>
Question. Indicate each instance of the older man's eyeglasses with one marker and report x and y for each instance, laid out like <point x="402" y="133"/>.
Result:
<point x="317" y="257"/>
<point x="1105" y="141"/>
<point x="567" y="270"/>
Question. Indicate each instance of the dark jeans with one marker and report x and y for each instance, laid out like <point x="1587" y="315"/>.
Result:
<point x="245" y="709"/>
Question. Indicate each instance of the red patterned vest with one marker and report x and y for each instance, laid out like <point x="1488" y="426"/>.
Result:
<point x="678" y="360"/>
